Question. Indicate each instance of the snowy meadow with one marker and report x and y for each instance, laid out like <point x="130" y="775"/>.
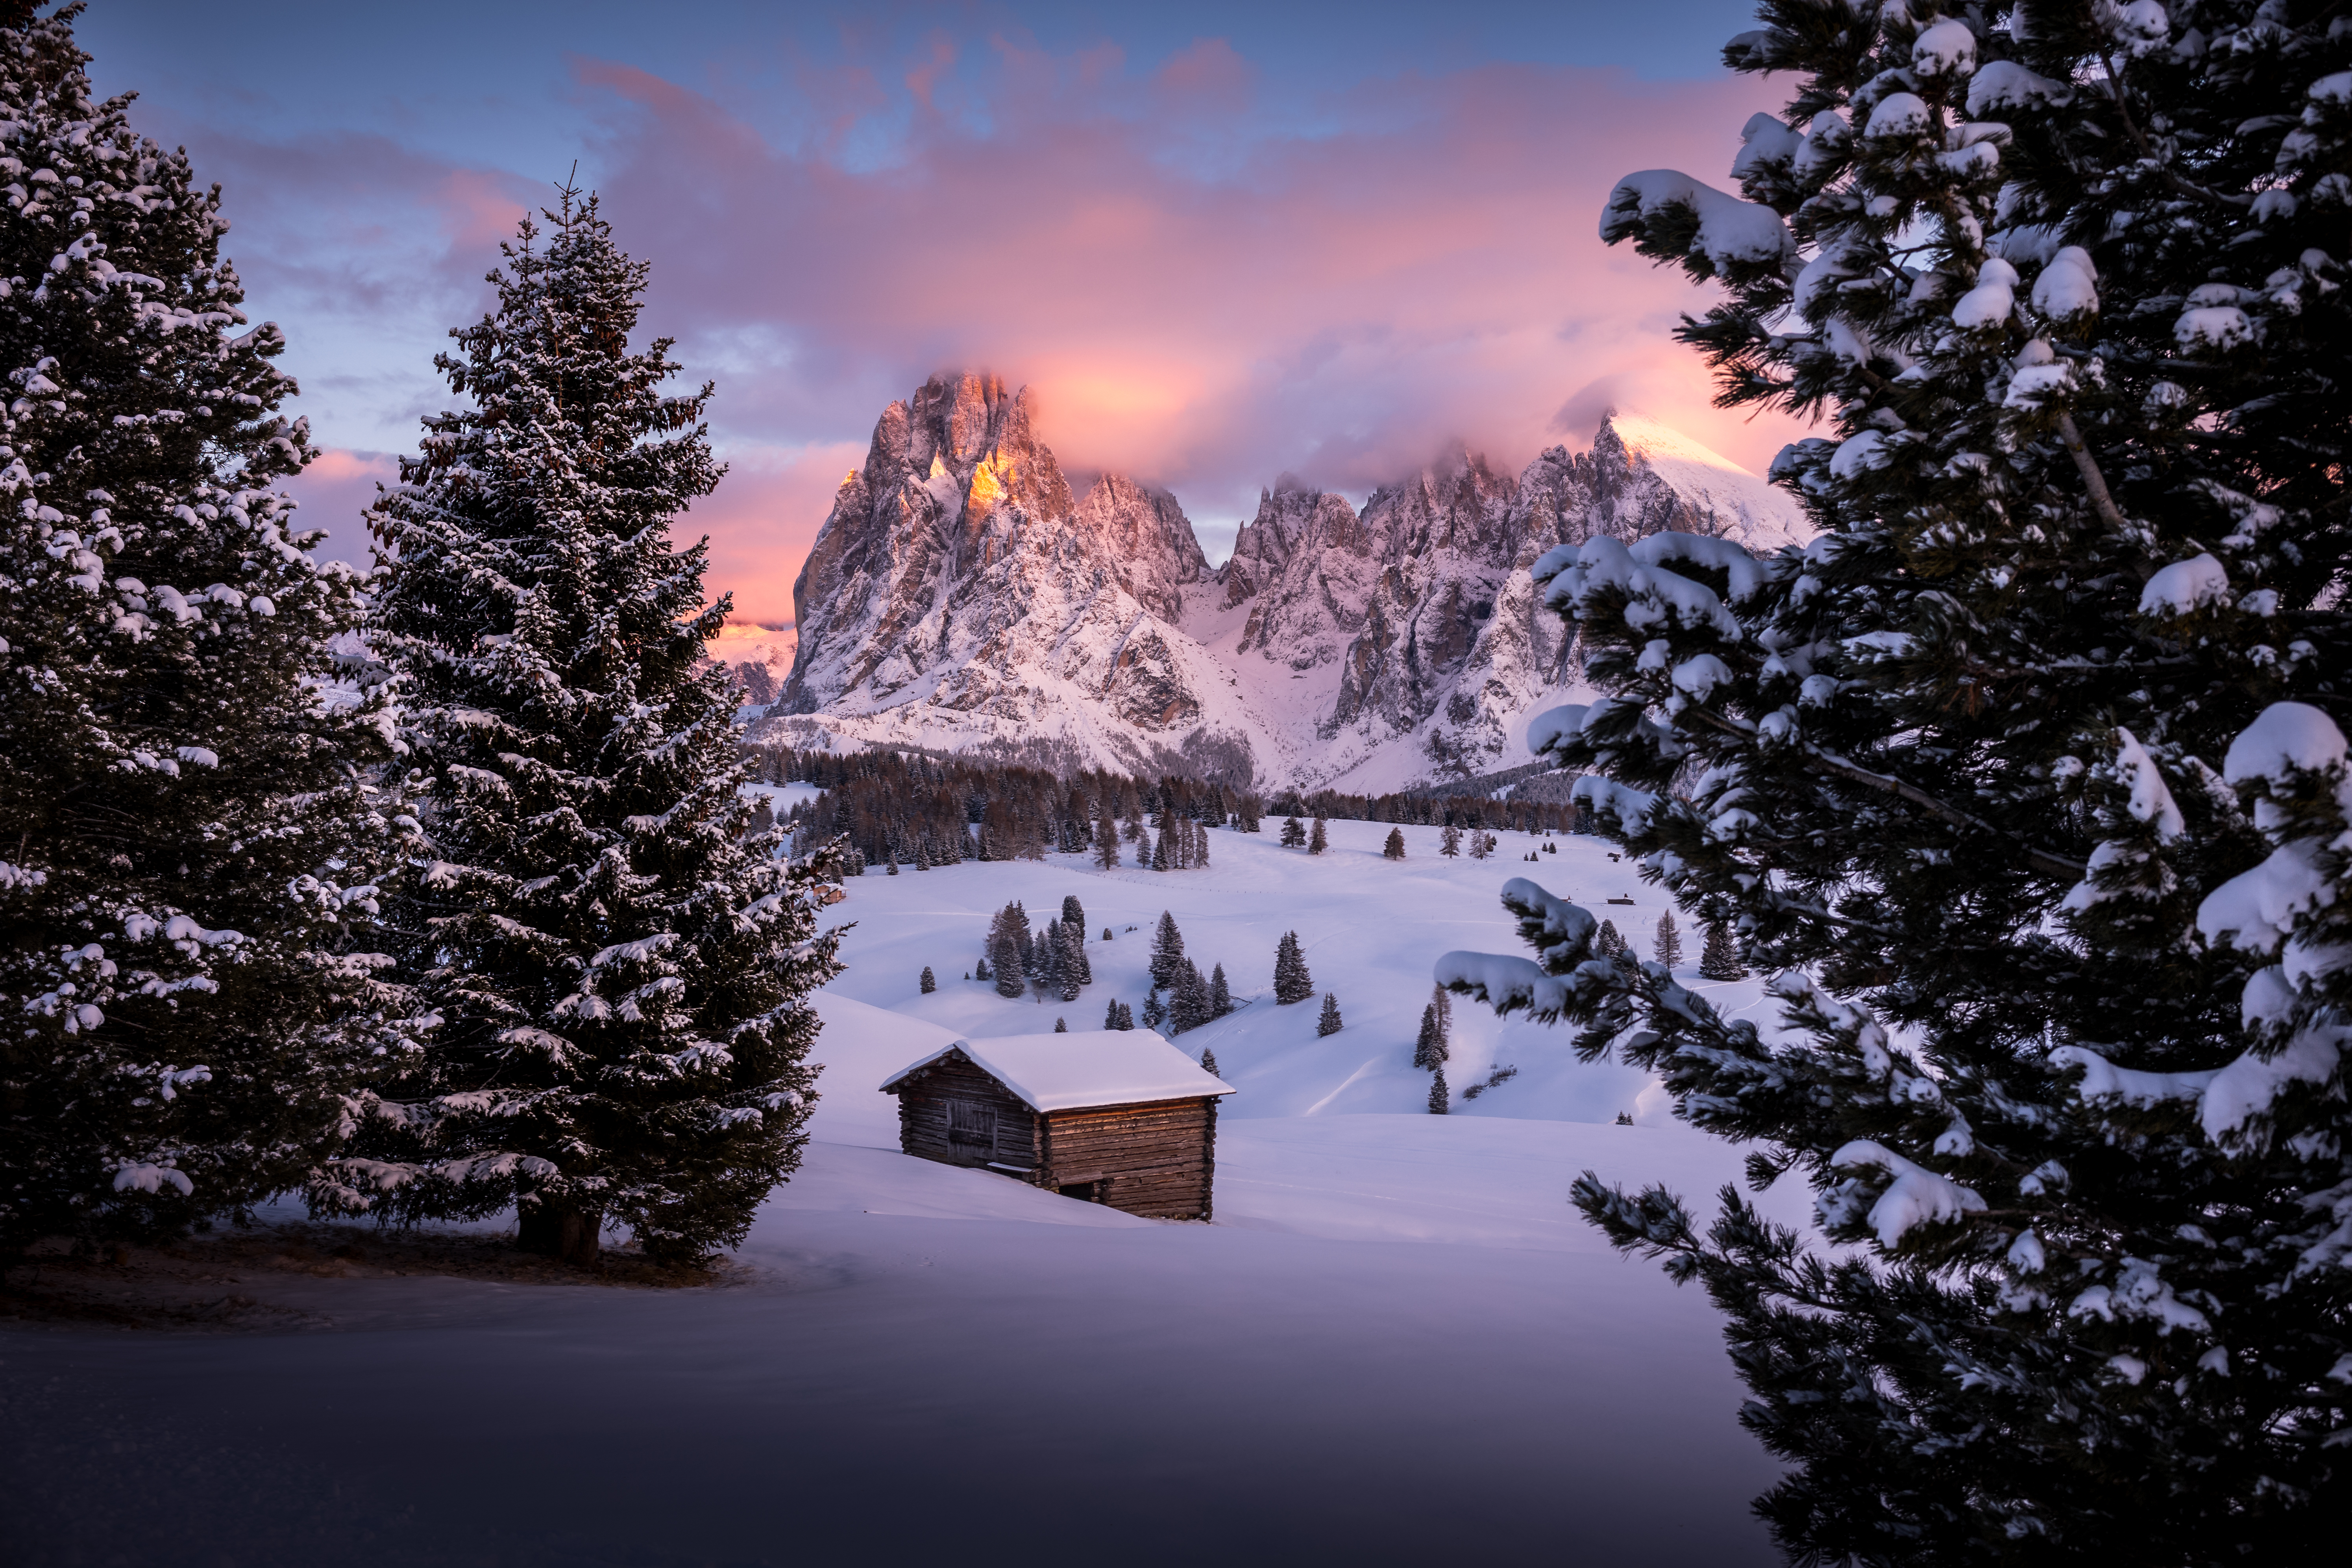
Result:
<point x="1396" y="1342"/>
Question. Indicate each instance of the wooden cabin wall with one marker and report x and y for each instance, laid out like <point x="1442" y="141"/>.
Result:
<point x="925" y="1111"/>
<point x="1157" y="1160"/>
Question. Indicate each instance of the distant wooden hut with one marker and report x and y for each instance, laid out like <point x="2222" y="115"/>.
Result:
<point x="1112" y="1116"/>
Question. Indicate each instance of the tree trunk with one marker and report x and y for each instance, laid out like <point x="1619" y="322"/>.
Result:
<point x="568" y="1233"/>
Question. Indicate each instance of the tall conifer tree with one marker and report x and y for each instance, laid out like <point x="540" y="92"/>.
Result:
<point x="620" y="968"/>
<point x="2030" y="775"/>
<point x="1291" y="982"/>
<point x="184" y="838"/>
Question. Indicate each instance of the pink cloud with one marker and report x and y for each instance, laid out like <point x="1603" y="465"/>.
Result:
<point x="1199" y="301"/>
<point x="332" y="492"/>
<point x="762" y="520"/>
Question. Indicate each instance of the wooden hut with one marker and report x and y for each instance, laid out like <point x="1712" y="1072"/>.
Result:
<point x="1110" y="1116"/>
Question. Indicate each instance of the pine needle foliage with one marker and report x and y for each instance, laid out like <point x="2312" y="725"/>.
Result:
<point x="1328" y="1022"/>
<point x="187" y="843"/>
<point x="2029" y="777"/>
<point x="620" y="966"/>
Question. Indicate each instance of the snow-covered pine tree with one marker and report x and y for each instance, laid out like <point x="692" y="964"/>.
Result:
<point x="621" y="972"/>
<point x="1319" y="838"/>
<point x="1069" y="962"/>
<point x="1440" y="1102"/>
<point x="1188" y="1005"/>
<point x="1718" y="955"/>
<point x="1004" y="949"/>
<point x="1666" y="945"/>
<point x="1221" y="993"/>
<point x="185" y="844"/>
<point x="1160" y="853"/>
<point x="980" y="969"/>
<point x="1990" y="773"/>
<point x="1167" y="953"/>
<point x="1393" y="848"/>
<point x="1328" y="1022"/>
<point x="1200" y="847"/>
<point x="1209" y="1063"/>
<point x="1155" y="1011"/>
<point x="1293" y="832"/>
<point x="1291" y="981"/>
<point x="1449" y="842"/>
<point x="1074" y="915"/>
<point x="1481" y="845"/>
<point x="1110" y="1015"/>
<point x="1609" y="942"/>
<point x="928" y="984"/>
<point x="1061" y="1025"/>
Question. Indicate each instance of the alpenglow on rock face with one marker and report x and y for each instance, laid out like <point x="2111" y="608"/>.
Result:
<point x="960" y="597"/>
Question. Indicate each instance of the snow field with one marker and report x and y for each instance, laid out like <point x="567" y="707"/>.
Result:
<point x="1397" y="1342"/>
<point x="1370" y="929"/>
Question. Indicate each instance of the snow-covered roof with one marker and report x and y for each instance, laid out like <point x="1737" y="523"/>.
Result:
<point x="1095" y="1067"/>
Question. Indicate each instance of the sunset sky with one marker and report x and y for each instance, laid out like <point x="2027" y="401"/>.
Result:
<point x="1221" y="240"/>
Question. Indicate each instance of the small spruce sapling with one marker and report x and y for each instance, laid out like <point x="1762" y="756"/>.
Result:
<point x="1061" y="1025"/>
<point x="1209" y="1062"/>
<point x="927" y="983"/>
<point x="1439" y="1101"/>
<point x="1221" y="995"/>
<point x="1328" y="1022"/>
<point x="1393" y="847"/>
<point x="1167" y="953"/>
<point x="1320" y="839"/>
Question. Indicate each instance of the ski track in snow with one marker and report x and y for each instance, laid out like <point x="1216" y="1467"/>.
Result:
<point x="1397" y="1343"/>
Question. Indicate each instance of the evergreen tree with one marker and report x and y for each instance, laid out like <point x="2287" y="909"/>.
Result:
<point x="1429" y="1046"/>
<point x="1023" y="938"/>
<point x="1004" y="949"/>
<point x="1106" y="935"/>
<point x="1188" y="1005"/>
<point x="980" y="969"/>
<point x="1209" y="1063"/>
<point x="1293" y="832"/>
<point x="1221" y="995"/>
<point x="186" y="843"/>
<point x="1291" y="981"/>
<point x="1718" y="956"/>
<point x="1167" y="953"/>
<point x="1393" y="849"/>
<point x="929" y="984"/>
<point x="1440" y="1102"/>
<point x="1117" y="1017"/>
<point x="1107" y="839"/>
<point x="1609" y="944"/>
<point x="1200" y="847"/>
<point x="2008" y="777"/>
<point x="1155" y="1011"/>
<point x="1160" y="853"/>
<point x="1667" y="947"/>
<point x="1069" y="960"/>
<point x="1449" y="843"/>
<point x="1074" y="915"/>
<point x="1328" y="1023"/>
<point x="619" y="972"/>
<point x="1061" y="1025"/>
<point x="1320" y="838"/>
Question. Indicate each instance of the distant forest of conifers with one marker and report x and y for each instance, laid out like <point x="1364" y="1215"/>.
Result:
<point x="922" y="811"/>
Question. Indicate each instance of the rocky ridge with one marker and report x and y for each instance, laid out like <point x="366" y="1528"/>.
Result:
<point x="959" y="598"/>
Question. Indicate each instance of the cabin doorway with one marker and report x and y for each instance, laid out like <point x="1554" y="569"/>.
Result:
<point x="972" y="1130"/>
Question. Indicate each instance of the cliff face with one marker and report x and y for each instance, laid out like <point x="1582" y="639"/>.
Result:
<point x="959" y="598"/>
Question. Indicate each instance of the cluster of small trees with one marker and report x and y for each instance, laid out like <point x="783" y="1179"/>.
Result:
<point x="1193" y="999"/>
<point x="1481" y="842"/>
<point x="510" y="939"/>
<point x="1295" y="835"/>
<point x="1050" y="959"/>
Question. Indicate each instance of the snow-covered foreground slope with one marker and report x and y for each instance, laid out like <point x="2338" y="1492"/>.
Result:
<point x="1396" y="1344"/>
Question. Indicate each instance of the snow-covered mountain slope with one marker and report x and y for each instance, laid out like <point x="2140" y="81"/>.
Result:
<point x="959" y="598"/>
